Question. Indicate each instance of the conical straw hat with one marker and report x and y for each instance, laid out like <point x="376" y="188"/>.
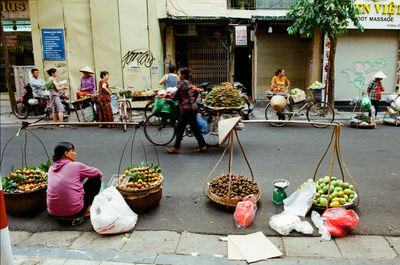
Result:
<point x="380" y="74"/>
<point x="87" y="69"/>
<point x="225" y="127"/>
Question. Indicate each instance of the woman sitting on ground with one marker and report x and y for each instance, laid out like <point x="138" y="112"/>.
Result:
<point x="68" y="194"/>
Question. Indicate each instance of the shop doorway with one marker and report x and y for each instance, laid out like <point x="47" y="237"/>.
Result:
<point x="204" y="49"/>
<point x="243" y="68"/>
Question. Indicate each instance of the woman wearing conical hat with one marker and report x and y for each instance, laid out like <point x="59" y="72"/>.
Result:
<point x="88" y="82"/>
<point x="375" y="88"/>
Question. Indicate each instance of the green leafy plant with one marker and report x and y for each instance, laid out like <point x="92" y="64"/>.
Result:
<point x="331" y="18"/>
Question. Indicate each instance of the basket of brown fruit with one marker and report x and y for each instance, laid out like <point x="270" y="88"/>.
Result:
<point x="141" y="186"/>
<point x="25" y="189"/>
<point x="228" y="189"/>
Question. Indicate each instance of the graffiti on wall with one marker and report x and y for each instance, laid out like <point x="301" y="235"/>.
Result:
<point x="362" y="73"/>
<point x="139" y="57"/>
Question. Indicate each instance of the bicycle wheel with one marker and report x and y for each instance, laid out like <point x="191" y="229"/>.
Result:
<point x="320" y="112"/>
<point x="271" y="114"/>
<point x="148" y="109"/>
<point x="159" y="131"/>
<point x="211" y="138"/>
<point x="21" y="110"/>
<point x="122" y="119"/>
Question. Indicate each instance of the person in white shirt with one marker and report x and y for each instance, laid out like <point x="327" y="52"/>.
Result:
<point x="37" y="83"/>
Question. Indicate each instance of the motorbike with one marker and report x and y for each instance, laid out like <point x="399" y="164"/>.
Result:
<point x="32" y="104"/>
<point x="246" y="111"/>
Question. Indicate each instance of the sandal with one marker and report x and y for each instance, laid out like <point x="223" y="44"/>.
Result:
<point x="200" y="149"/>
<point x="172" y="150"/>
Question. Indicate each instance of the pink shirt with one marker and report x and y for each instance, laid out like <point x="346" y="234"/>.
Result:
<point x="65" y="186"/>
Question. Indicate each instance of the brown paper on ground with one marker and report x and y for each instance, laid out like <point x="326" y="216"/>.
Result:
<point x="233" y="252"/>
<point x="225" y="127"/>
<point x="255" y="247"/>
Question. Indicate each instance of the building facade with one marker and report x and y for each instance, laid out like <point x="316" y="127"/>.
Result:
<point x="219" y="40"/>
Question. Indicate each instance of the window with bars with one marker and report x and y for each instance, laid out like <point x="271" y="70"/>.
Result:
<point x="260" y="4"/>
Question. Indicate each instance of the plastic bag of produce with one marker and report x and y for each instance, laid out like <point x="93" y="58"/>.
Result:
<point x="165" y="108"/>
<point x="245" y="211"/>
<point x="365" y="102"/>
<point x="301" y="200"/>
<point x="339" y="221"/>
<point x="110" y="214"/>
<point x="202" y="124"/>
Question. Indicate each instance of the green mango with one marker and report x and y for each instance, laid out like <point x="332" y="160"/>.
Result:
<point x="348" y="191"/>
<point x="338" y="189"/>
<point x="323" y="201"/>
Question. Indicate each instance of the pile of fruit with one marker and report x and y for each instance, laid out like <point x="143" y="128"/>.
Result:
<point x="341" y="193"/>
<point x="142" y="177"/>
<point x="317" y="84"/>
<point x="224" y="95"/>
<point x="363" y="117"/>
<point x="143" y="93"/>
<point x="26" y="179"/>
<point x="126" y="92"/>
<point x="277" y="89"/>
<point x="240" y="186"/>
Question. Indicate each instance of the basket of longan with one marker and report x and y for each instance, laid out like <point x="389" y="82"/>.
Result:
<point x="25" y="189"/>
<point x="141" y="186"/>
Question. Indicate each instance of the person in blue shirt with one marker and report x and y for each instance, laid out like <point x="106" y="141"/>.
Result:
<point x="170" y="79"/>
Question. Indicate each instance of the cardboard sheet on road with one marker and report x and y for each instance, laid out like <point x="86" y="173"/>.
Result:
<point x="253" y="247"/>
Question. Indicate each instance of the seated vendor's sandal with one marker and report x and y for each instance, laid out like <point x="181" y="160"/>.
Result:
<point x="200" y="149"/>
<point x="70" y="220"/>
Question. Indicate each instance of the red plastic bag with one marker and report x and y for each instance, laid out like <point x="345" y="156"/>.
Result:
<point x="340" y="221"/>
<point x="245" y="211"/>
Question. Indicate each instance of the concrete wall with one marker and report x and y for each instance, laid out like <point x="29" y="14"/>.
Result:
<point x="359" y="55"/>
<point x="99" y="33"/>
<point x="279" y="50"/>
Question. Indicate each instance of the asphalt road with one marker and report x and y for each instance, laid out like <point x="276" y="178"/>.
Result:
<point x="291" y="152"/>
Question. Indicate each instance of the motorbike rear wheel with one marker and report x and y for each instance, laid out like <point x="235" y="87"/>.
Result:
<point x="20" y="110"/>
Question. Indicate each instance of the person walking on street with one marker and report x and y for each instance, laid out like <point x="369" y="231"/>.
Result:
<point x="171" y="79"/>
<point x="187" y="112"/>
<point x="56" y="106"/>
<point x="375" y="88"/>
<point x="105" y="110"/>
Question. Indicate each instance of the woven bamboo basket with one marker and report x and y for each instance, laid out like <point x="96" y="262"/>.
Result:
<point x="26" y="203"/>
<point x="227" y="201"/>
<point x="348" y="205"/>
<point x="224" y="201"/>
<point x="359" y="126"/>
<point x="225" y="109"/>
<point x="336" y="153"/>
<point x="141" y="199"/>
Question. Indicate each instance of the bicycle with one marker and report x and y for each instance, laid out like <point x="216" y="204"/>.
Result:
<point x="316" y="111"/>
<point x="124" y="114"/>
<point x="161" y="130"/>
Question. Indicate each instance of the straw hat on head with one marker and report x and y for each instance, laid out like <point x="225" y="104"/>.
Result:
<point x="87" y="69"/>
<point x="379" y="74"/>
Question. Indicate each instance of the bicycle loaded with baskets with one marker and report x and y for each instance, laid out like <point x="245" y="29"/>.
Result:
<point x="293" y="104"/>
<point x="160" y="126"/>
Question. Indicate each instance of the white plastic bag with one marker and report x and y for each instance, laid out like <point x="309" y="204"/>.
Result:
<point x="286" y="222"/>
<point x="110" y="214"/>
<point x="319" y="223"/>
<point x="301" y="200"/>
